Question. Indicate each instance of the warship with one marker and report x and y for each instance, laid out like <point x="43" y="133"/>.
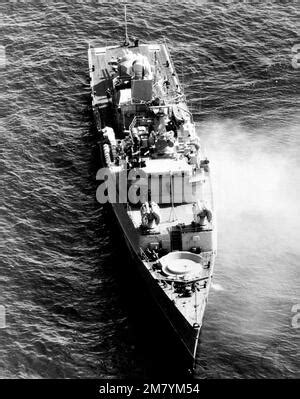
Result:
<point x="156" y="178"/>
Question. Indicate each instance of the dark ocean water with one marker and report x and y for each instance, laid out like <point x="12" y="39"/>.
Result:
<point x="65" y="314"/>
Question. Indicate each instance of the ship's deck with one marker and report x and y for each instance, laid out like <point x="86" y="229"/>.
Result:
<point x="186" y="305"/>
<point x="182" y="213"/>
<point x="103" y="59"/>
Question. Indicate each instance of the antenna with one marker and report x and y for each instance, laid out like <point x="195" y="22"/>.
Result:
<point x="126" y="43"/>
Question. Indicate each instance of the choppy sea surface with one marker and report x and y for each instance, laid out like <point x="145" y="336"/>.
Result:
<point x="65" y="314"/>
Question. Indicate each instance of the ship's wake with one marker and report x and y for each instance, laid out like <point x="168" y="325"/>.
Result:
<point x="256" y="179"/>
<point x="256" y="176"/>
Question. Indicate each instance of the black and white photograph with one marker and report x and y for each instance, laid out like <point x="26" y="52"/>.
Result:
<point x="150" y="191"/>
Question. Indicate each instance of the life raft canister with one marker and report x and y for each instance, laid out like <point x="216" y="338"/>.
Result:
<point x="109" y="148"/>
<point x="106" y="152"/>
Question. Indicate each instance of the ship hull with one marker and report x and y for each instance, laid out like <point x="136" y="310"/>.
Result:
<point x="148" y="116"/>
